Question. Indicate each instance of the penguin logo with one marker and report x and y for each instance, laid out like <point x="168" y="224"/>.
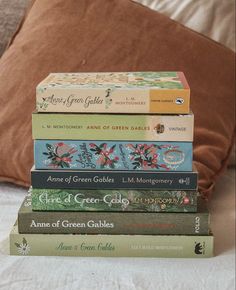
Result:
<point x="179" y="101"/>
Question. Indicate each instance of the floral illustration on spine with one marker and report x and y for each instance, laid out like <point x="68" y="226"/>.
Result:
<point x="108" y="99"/>
<point x="43" y="104"/>
<point x="59" y="155"/>
<point x="105" y="155"/>
<point x="163" y="80"/>
<point x="145" y="156"/>
<point x="23" y="248"/>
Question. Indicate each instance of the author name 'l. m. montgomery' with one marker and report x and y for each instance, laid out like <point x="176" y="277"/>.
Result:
<point x="146" y="180"/>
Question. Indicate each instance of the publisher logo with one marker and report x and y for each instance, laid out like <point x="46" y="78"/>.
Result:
<point x="179" y="101"/>
<point x="199" y="248"/>
<point x="160" y="128"/>
<point x="184" y="180"/>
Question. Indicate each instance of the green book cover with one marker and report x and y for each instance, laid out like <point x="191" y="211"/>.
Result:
<point x="110" y="245"/>
<point x="105" y="222"/>
<point x="114" y="200"/>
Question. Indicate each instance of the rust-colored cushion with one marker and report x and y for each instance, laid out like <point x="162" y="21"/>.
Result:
<point x="114" y="35"/>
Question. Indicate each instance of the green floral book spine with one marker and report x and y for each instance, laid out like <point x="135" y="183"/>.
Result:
<point x="114" y="200"/>
<point x="111" y="245"/>
<point x="123" y="92"/>
<point x="123" y="127"/>
<point x="105" y="222"/>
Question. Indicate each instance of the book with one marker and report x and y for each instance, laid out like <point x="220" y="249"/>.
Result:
<point x="115" y="155"/>
<point x="113" y="127"/>
<point x="97" y="222"/>
<point x="166" y="246"/>
<point x="134" y="179"/>
<point x="114" y="92"/>
<point x="113" y="200"/>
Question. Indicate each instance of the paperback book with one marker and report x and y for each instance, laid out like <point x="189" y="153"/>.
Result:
<point x="113" y="155"/>
<point x="107" y="179"/>
<point x="101" y="222"/>
<point x="166" y="246"/>
<point x="114" y="200"/>
<point x="113" y="127"/>
<point x="122" y="92"/>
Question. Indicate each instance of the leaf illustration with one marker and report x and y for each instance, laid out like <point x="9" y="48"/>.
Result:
<point x="65" y="155"/>
<point x="24" y="241"/>
<point x="65" y="164"/>
<point x="102" y="145"/>
<point x="113" y="147"/>
<point x="49" y="147"/>
<point x="18" y="245"/>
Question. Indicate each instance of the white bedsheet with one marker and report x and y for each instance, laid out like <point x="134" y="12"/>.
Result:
<point x="123" y="273"/>
<point x="213" y="18"/>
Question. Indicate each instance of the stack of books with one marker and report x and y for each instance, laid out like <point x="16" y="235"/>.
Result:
<point x="113" y="173"/>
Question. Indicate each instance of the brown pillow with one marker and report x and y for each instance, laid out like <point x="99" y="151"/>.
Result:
<point x="114" y="35"/>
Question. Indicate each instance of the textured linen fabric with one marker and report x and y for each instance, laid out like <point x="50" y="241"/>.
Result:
<point x="73" y="36"/>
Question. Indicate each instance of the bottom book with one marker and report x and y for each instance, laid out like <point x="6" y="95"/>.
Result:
<point x="110" y="245"/>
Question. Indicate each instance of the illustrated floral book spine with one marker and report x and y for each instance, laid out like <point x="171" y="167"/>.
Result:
<point x="101" y="222"/>
<point x="114" y="200"/>
<point x="107" y="179"/>
<point x="113" y="127"/>
<point x="127" y="92"/>
<point x="174" y="246"/>
<point x="106" y="155"/>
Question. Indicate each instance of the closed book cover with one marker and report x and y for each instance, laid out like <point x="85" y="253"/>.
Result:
<point x="113" y="155"/>
<point x="95" y="222"/>
<point x="114" y="92"/>
<point x="113" y="127"/>
<point x="166" y="246"/>
<point x="107" y="179"/>
<point x="114" y="200"/>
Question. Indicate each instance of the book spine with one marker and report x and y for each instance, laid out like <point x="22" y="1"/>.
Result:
<point x="113" y="179"/>
<point x="110" y="126"/>
<point x="113" y="100"/>
<point x="105" y="155"/>
<point x="111" y="245"/>
<point x="113" y="200"/>
<point x="61" y="222"/>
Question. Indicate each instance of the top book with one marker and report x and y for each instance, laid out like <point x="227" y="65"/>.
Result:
<point x="114" y="92"/>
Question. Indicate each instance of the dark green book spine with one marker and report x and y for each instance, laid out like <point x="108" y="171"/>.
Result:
<point x="30" y="221"/>
<point x="114" y="200"/>
<point x="74" y="179"/>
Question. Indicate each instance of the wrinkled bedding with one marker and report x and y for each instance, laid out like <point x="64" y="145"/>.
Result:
<point x="212" y="18"/>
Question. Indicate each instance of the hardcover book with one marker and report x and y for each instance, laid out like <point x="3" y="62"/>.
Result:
<point x="113" y="127"/>
<point x="122" y="92"/>
<point x="114" y="200"/>
<point x="115" y="155"/>
<point x="107" y="179"/>
<point x="95" y="222"/>
<point x="171" y="246"/>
